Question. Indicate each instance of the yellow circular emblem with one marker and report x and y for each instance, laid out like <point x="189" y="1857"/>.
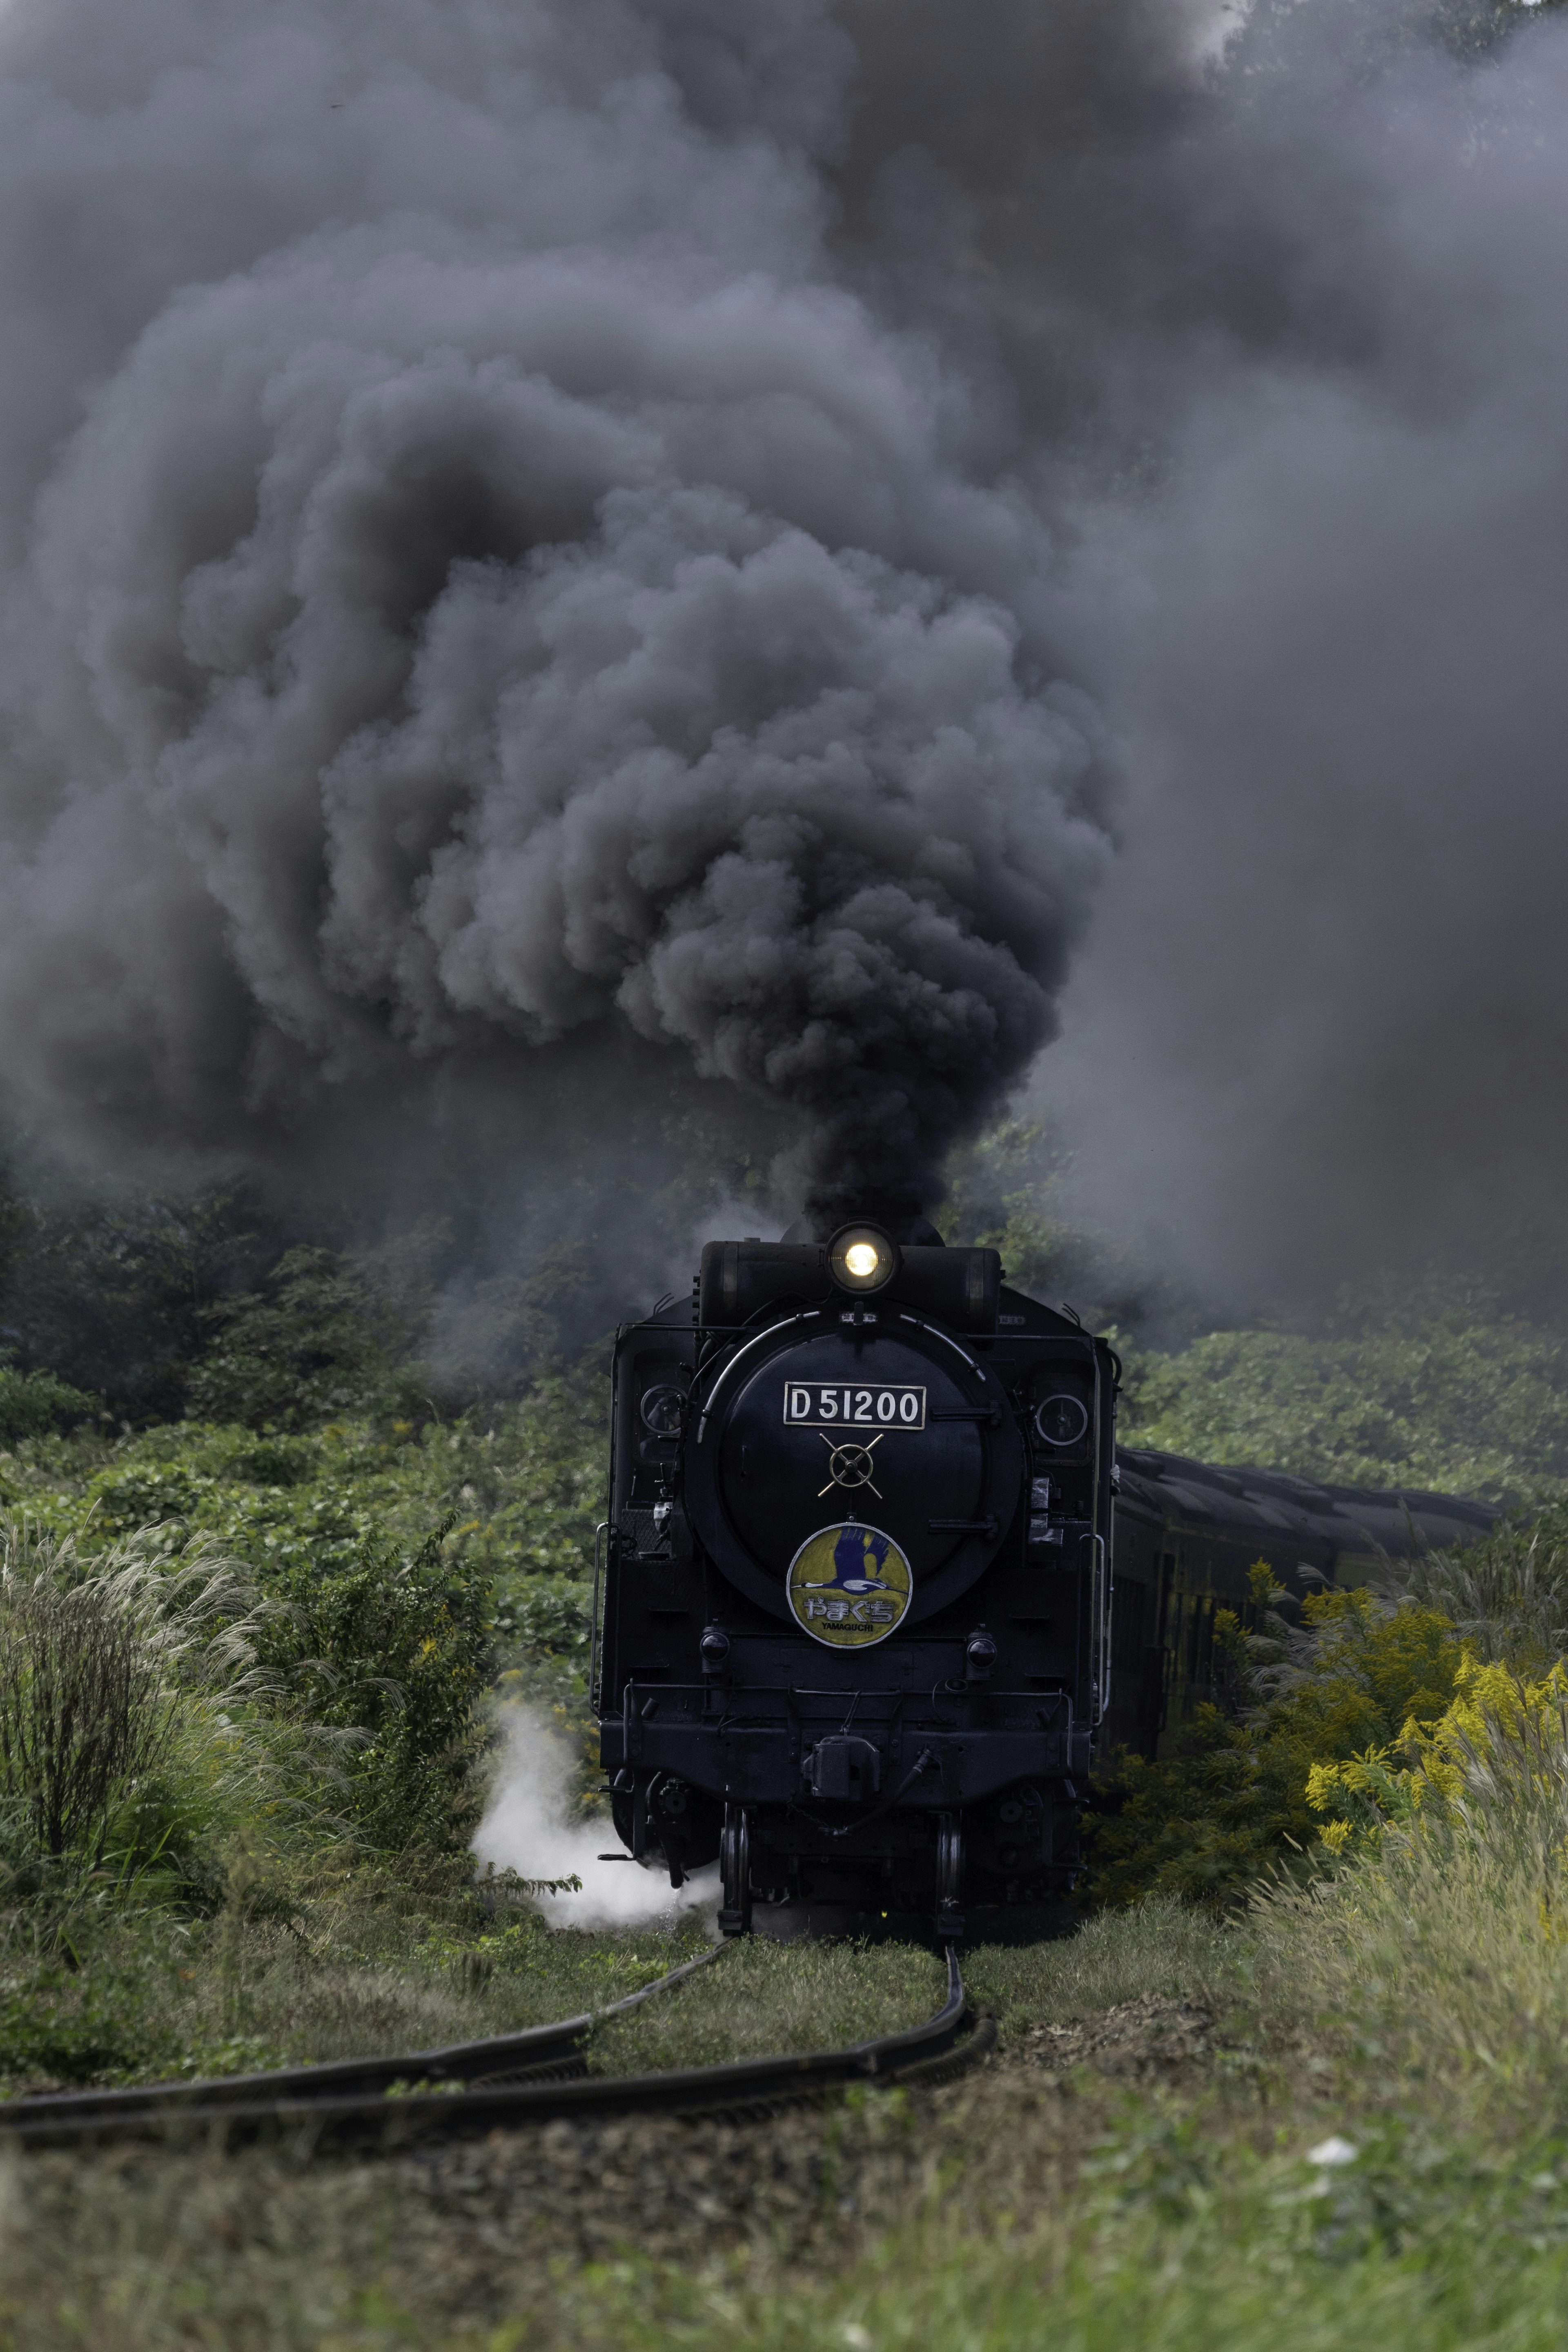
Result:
<point x="849" y="1586"/>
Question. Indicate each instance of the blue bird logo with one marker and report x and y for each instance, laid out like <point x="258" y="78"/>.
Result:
<point x="856" y="1549"/>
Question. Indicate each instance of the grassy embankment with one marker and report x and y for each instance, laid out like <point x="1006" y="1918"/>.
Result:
<point x="1379" y="2143"/>
<point x="1376" y="2122"/>
<point x="270" y="1863"/>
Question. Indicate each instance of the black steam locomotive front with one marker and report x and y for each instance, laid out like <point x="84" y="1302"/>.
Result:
<point x="853" y="1620"/>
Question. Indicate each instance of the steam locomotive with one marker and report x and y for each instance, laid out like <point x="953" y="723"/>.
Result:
<point x="877" y="1584"/>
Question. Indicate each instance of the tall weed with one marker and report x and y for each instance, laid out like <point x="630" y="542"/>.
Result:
<point x="1437" y="1954"/>
<point x="1508" y="1597"/>
<point x="135" y="1747"/>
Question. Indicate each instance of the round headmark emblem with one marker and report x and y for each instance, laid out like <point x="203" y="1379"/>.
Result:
<point x="849" y="1586"/>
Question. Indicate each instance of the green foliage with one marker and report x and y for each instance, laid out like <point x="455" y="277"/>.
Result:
<point x="543" y="1635"/>
<point x="408" y="1563"/>
<point x="137" y="1742"/>
<point x="1441" y="1950"/>
<point x="1508" y="1596"/>
<point x="35" y="1404"/>
<point x="109" y="1294"/>
<point x="523" y="1483"/>
<point x="109" y="2021"/>
<point x="550" y="1616"/>
<point x="395" y="1648"/>
<point x="1230" y="1804"/>
<point x="1442" y="1402"/>
<point x="318" y="1339"/>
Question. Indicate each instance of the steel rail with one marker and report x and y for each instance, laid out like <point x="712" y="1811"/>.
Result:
<point x="534" y="2050"/>
<point x="324" y="2117"/>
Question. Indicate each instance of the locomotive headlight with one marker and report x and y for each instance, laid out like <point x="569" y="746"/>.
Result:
<point x="861" y="1259"/>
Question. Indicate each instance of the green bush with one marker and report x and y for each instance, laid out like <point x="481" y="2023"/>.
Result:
<point x="395" y="1647"/>
<point x="522" y="1482"/>
<point x="35" y="1404"/>
<point x="1449" y="1403"/>
<point x="335" y="1525"/>
<point x="318" y="1339"/>
<point x="64" y="2023"/>
<point x="1230" y="1805"/>
<point x="158" y="1705"/>
<point x="1439" y="1950"/>
<point x="548" y="1617"/>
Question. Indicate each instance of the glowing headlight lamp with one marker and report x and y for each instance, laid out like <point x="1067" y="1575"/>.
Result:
<point x="862" y="1259"/>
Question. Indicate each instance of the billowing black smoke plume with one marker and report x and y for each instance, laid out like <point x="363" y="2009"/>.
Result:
<point x="552" y="557"/>
<point x="1322" y="1025"/>
<point x="473" y="577"/>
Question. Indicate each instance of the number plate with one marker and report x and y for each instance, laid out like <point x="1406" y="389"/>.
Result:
<point x="817" y="1404"/>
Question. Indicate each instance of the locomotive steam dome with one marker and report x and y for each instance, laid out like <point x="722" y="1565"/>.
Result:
<point x="853" y="1466"/>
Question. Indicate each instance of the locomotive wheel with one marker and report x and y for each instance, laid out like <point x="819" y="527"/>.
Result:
<point x="949" y="1877"/>
<point x="735" y="1870"/>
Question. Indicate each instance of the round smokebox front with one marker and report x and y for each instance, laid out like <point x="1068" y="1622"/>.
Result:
<point x="854" y="1482"/>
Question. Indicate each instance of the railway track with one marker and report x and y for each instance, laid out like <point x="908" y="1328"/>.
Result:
<point x="539" y="2075"/>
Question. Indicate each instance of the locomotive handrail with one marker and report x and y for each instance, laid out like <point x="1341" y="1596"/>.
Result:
<point x="745" y="2085"/>
<point x="595" y="1642"/>
<point x="806" y="1314"/>
<point x="1100" y="1624"/>
<point x="938" y="1333"/>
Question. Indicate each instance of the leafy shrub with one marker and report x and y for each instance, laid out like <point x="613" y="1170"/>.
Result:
<point x="1444" y="1402"/>
<point x="328" y="1520"/>
<point x="1231" y="1803"/>
<point x="317" y="1340"/>
<point x="543" y="1636"/>
<point x="549" y="1617"/>
<point x="1437" y="1947"/>
<point x="523" y="1483"/>
<point x="63" y="2024"/>
<point x="32" y="1404"/>
<point x="396" y="1647"/>
<point x="1503" y="1739"/>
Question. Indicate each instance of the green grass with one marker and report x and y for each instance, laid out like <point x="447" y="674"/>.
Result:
<point x="1413" y="2008"/>
<point x="760" y="1998"/>
<point x="1223" y="2287"/>
<point x="1160" y="1947"/>
<point x="196" y="2273"/>
<point x="148" y="1998"/>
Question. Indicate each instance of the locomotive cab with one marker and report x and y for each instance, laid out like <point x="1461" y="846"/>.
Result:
<point x="852" y="1629"/>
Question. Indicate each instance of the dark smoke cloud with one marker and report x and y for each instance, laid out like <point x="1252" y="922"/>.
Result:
<point x="554" y="557"/>
<point x="474" y="577"/>
<point x="1323" y="1025"/>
